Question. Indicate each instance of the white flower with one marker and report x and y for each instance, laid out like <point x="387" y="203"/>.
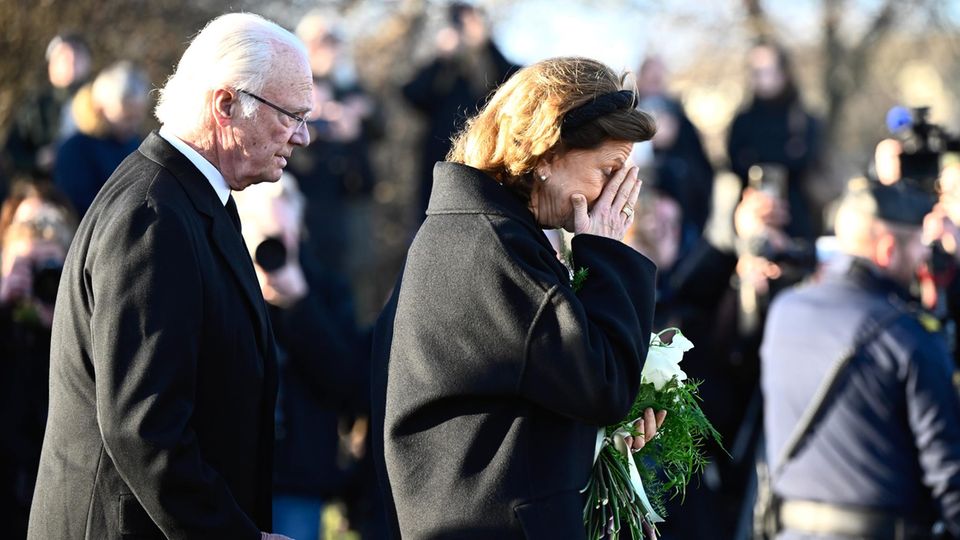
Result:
<point x="663" y="361"/>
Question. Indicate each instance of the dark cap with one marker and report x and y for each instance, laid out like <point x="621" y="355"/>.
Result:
<point x="900" y="203"/>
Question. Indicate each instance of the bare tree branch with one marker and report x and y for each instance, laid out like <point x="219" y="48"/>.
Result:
<point x="846" y="67"/>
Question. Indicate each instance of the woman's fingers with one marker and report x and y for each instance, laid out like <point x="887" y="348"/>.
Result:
<point x="649" y="424"/>
<point x="611" y="189"/>
<point x="646" y="428"/>
<point x="634" y="444"/>
<point x="635" y="194"/>
<point x="625" y="191"/>
<point x="661" y="416"/>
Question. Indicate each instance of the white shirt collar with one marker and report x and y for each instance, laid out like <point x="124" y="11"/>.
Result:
<point x="209" y="171"/>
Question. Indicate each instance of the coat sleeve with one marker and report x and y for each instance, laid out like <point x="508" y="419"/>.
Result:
<point x="585" y="351"/>
<point x="933" y="412"/>
<point x="146" y="324"/>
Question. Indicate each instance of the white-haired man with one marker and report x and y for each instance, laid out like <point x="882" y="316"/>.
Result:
<point x="163" y="371"/>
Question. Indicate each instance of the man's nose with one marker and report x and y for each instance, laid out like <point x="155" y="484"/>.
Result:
<point x="301" y="137"/>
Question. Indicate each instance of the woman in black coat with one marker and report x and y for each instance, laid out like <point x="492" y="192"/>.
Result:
<point x="491" y="374"/>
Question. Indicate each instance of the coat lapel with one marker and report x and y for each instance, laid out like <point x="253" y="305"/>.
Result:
<point x="225" y="237"/>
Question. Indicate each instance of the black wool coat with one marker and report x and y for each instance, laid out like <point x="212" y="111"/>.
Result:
<point x="162" y="370"/>
<point x="491" y="376"/>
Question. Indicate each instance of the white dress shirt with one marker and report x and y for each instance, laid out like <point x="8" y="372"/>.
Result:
<point x="209" y="171"/>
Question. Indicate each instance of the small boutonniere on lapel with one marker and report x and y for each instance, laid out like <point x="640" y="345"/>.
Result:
<point x="578" y="276"/>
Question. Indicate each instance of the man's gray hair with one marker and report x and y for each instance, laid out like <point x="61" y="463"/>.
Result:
<point x="235" y="50"/>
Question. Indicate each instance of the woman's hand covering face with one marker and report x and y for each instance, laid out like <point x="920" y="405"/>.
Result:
<point x="587" y="191"/>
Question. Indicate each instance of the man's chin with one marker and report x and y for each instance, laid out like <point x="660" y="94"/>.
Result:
<point x="271" y="177"/>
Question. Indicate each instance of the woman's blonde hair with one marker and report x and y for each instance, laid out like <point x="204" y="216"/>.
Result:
<point x="523" y="120"/>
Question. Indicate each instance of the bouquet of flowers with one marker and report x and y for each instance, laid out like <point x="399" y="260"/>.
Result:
<point x="621" y="494"/>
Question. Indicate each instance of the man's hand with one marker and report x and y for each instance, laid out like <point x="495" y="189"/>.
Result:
<point x="283" y="287"/>
<point x="758" y="212"/>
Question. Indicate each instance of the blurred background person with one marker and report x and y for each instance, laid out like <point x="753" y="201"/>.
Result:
<point x="36" y="227"/>
<point x="467" y="67"/>
<point x="775" y="128"/>
<point x="335" y="171"/>
<point x="705" y="287"/>
<point x="323" y="365"/>
<point x="679" y="161"/>
<point x="109" y="114"/>
<point x="44" y="118"/>
<point x="880" y="457"/>
<point x="940" y="281"/>
<point x="657" y="233"/>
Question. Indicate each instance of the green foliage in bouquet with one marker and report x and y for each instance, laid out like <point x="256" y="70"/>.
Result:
<point x="624" y="493"/>
<point x="677" y="450"/>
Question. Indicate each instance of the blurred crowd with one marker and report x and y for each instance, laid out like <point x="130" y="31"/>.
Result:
<point x="728" y="236"/>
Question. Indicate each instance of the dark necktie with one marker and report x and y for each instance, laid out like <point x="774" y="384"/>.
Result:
<point x="232" y="210"/>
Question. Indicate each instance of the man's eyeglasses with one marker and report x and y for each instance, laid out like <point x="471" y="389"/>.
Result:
<point x="300" y="120"/>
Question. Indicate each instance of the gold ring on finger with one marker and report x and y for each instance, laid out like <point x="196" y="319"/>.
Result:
<point x="627" y="210"/>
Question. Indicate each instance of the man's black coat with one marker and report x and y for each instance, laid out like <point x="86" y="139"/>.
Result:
<point x="491" y="376"/>
<point x="162" y="370"/>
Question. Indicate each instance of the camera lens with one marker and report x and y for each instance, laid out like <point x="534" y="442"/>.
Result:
<point x="271" y="254"/>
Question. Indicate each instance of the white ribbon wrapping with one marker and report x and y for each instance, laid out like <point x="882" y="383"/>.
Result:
<point x="601" y="436"/>
<point x="621" y="445"/>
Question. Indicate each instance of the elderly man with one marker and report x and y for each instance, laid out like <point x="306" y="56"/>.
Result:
<point x="880" y="454"/>
<point x="163" y="370"/>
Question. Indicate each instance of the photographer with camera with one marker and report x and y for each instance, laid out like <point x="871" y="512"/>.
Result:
<point x="925" y="156"/>
<point x="35" y="231"/>
<point x="323" y="357"/>
<point x="774" y="127"/>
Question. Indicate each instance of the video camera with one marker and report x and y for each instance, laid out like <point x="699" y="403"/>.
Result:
<point x="923" y="144"/>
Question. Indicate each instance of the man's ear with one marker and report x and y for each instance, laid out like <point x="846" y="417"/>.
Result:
<point x="223" y="105"/>
<point x="884" y="250"/>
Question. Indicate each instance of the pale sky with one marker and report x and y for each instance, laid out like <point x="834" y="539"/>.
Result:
<point x="620" y="33"/>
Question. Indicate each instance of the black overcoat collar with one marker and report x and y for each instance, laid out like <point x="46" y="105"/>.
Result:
<point x="461" y="189"/>
<point x="221" y="229"/>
